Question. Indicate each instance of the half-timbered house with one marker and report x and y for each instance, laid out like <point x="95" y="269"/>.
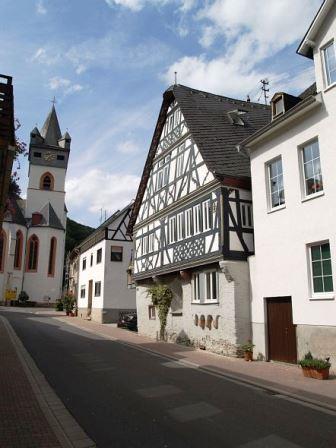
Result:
<point x="103" y="291"/>
<point x="192" y="219"/>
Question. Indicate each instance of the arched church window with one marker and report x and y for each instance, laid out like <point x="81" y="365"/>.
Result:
<point x="33" y="252"/>
<point x="47" y="182"/>
<point x="18" y="250"/>
<point x="2" y="250"/>
<point x="52" y="257"/>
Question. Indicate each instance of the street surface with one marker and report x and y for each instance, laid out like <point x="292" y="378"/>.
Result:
<point x="124" y="397"/>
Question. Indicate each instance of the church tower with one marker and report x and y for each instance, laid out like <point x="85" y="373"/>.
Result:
<point x="45" y="210"/>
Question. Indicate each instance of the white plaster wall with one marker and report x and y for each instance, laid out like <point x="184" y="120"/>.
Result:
<point x="280" y="266"/>
<point x="11" y="278"/>
<point x="38" y="284"/>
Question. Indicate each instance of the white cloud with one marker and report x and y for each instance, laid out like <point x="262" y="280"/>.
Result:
<point x="64" y="85"/>
<point x="40" y="7"/>
<point x="128" y="147"/>
<point x="138" y="5"/>
<point x="97" y="188"/>
<point x="44" y="57"/>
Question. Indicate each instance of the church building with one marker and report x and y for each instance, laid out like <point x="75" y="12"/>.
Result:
<point x="32" y="238"/>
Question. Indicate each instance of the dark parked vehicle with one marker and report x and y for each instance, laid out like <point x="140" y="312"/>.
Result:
<point x="129" y="321"/>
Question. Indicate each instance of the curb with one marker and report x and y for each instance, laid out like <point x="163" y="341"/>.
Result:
<point x="276" y="391"/>
<point x="67" y="430"/>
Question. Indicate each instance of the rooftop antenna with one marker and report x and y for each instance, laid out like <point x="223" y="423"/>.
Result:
<point x="264" y="89"/>
<point x="101" y="216"/>
<point x="105" y="216"/>
<point x="175" y="75"/>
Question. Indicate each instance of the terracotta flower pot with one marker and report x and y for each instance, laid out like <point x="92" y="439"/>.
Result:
<point x="318" y="374"/>
<point x="248" y="356"/>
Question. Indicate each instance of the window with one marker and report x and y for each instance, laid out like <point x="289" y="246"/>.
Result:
<point x="47" y="182"/>
<point x="59" y="157"/>
<point x="91" y="260"/>
<point x="151" y="312"/>
<point x="188" y="222"/>
<point x="52" y="257"/>
<point x="172" y="229"/>
<point x="18" y="250"/>
<point x="211" y="286"/>
<point x="277" y="193"/>
<point x="144" y="245"/>
<point x="116" y="253"/>
<point x="197" y="219"/>
<point x="82" y="292"/>
<point x="321" y="272"/>
<point x="179" y="227"/>
<point x="246" y="215"/>
<point x="84" y="264"/>
<point x="196" y="288"/>
<point x="37" y="154"/>
<point x="206" y="215"/>
<point x="278" y="106"/>
<point x="330" y="63"/>
<point x="179" y="165"/>
<point x="313" y="182"/>
<point x="162" y="177"/>
<point x="151" y="242"/>
<point x="97" y="289"/>
<point x="99" y="256"/>
<point x="2" y="250"/>
<point x="32" y="256"/>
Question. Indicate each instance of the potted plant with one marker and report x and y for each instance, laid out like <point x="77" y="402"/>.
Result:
<point x="69" y="303"/>
<point x="59" y="305"/>
<point x="248" y="350"/>
<point x="23" y="298"/>
<point x="315" y="367"/>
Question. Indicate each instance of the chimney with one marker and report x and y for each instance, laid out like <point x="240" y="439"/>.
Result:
<point x="36" y="218"/>
<point x="248" y="100"/>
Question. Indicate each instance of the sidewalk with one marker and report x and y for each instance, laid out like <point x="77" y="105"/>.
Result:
<point x="275" y="377"/>
<point x="31" y="414"/>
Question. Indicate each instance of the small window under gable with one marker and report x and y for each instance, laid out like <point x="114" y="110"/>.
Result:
<point x="236" y="117"/>
<point x="278" y="106"/>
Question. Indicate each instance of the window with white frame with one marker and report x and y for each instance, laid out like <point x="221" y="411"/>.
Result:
<point x="278" y="106"/>
<point x="312" y="173"/>
<point x="151" y="312"/>
<point x="162" y="176"/>
<point x="144" y="245"/>
<point x="246" y="215"/>
<point x="197" y="219"/>
<point x="151" y="242"/>
<point x="196" y="288"/>
<point x="84" y="264"/>
<point x="179" y="227"/>
<point x="116" y="253"/>
<point x="97" y="289"/>
<point x="99" y="255"/>
<point x="276" y="186"/>
<point x="211" y="286"/>
<point x="206" y="205"/>
<point x="172" y="229"/>
<point x="188" y="222"/>
<point x="82" y="292"/>
<point x="329" y="56"/>
<point x="179" y="165"/>
<point x="321" y="272"/>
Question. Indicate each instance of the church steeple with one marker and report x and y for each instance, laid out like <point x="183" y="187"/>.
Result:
<point x="51" y="131"/>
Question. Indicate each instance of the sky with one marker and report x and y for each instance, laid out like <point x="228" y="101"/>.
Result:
<point x="108" y="62"/>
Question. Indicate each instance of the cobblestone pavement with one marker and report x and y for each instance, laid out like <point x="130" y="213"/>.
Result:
<point x="22" y="422"/>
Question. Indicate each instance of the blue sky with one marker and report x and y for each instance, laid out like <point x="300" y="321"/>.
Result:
<point x="109" y="61"/>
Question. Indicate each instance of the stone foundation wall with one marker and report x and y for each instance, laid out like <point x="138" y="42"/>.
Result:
<point x="321" y="341"/>
<point x="103" y="315"/>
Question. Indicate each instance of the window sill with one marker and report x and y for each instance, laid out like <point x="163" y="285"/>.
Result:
<point x="331" y="86"/>
<point x="206" y="303"/>
<point x="313" y="196"/>
<point x="275" y="209"/>
<point x="329" y="296"/>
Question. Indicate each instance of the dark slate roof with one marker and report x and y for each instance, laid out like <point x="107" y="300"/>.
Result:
<point x="214" y="133"/>
<point x="51" y="131"/>
<point x="216" y="136"/>
<point x="13" y="211"/>
<point x="50" y="219"/>
<point x="311" y="90"/>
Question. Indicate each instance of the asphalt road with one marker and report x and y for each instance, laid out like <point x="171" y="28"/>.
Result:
<point x="123" y="397"/>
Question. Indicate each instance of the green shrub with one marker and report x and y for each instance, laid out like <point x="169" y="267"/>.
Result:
<point x="69" y="303"/>
<point x="314" y="363"/>
<point x="59" y="305"/>
<point x="23" y="297"/>
<point x="248" y="347"/>
<point x="161" y="296"/>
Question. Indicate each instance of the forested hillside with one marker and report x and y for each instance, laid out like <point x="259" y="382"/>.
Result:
<point x="75" y="233"/>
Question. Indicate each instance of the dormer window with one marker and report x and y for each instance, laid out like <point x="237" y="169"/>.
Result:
<point x="330" y="63"/>
<point x="235" y="116"/>
<point x="278" y="106"/>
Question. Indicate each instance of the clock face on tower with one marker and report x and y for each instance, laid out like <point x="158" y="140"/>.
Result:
<point x="49" y="156"/>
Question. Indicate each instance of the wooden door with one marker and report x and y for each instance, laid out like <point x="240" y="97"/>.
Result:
<point x="89" y="309"/>
<point x="281" y="331"/>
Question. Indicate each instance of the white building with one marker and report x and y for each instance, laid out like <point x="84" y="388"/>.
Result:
<point x="192" y="222"/>
<point x="33" y="234"/>
<point x="105" y="257"/>
<point x="293" y="160"/>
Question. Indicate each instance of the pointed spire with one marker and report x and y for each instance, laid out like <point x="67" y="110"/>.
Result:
<point x="51" y="131"/>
